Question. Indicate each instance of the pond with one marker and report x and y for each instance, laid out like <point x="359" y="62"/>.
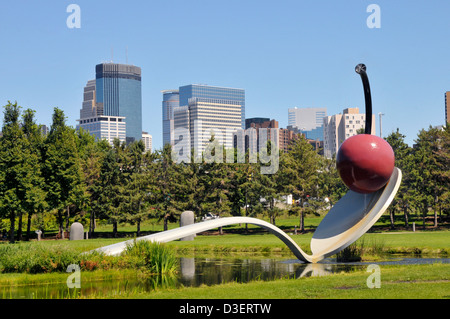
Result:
<point x="204" y="271"/>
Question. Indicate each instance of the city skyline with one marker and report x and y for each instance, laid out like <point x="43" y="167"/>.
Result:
<point x="284" y="55"/>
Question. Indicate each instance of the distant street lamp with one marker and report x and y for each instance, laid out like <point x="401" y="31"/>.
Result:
<point x="381" y="125"/>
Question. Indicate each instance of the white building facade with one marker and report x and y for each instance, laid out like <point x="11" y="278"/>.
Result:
<point x="195" y="123"/>
<point x="105" y="127"/>
<point x="337" y="128"/>
<point x="147" y="139"/>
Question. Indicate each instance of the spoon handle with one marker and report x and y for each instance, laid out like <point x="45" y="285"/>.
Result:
<point x="361" y="70"/>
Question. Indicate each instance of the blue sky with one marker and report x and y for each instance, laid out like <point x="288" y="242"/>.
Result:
<point x="283" y="53"/>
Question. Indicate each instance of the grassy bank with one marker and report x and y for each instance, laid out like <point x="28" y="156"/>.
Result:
<point x="409" y="243"/>
<point x="397" y="282"/>
<point x="55" y="257"/>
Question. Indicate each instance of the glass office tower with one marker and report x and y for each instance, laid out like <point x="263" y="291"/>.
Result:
<point x="213" y="92"/>
<point x="118" y="90"/>
<point x="170" y="101"/>
<point x="308" y="121"/>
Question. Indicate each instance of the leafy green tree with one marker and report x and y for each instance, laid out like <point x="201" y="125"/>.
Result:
<point x="238" y="177"/>
<point x="404" y="197"/>
<point x="216" y="179"/>
<point x="105" y="190"/>
<point x="330" y="183"/>
<point x="299" y="174"/>
<point x="427" y="182"/>
<point x="13" y="166"/>
<point x="167" y="186"/>
<point x="194" y="187"/>
<point x="91" y="154"/>
<point x="442" y="171"/>
<point x="20" y="181"/>
<point x="62" y="169"/>
<point x="35" y="202"/>
<point x="134" y="191"/>
<point x="269" y="186"/>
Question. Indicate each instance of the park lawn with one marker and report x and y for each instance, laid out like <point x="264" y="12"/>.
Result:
<point x="420" y="242"/>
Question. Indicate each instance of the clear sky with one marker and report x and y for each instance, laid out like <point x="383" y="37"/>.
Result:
<point x="283" y="53"/>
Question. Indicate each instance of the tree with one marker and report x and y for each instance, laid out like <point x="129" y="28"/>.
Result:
<point x="105" y="195"/>
<point x="20" y="180"/>
<point x="134" y="189"/>
<point x="238" y="176"/>
<point x="62" y="169"/>
<point x="403" y="197"/>
<point x="299" y="174"/>
<point x="216" y="179"/>
<point x="442" y="171"/>
<point x="429" y="180"/>
<point x="91" y="154"/>
<point x="35" y="194"/>
<point x="270" y="186"/>
<point x="13" y="166"/>
<point x="330" y="183"/>
<point x="167" y="185"/>
<point x="194" y="187"/>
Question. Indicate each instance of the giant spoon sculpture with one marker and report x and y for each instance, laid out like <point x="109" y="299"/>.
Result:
<point x="366" y="165"/>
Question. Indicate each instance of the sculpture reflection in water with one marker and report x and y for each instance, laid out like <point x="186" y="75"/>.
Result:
<point x="206" y="271"/>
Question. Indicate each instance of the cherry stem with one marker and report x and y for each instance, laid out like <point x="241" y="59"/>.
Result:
<point x="361" y="70"/>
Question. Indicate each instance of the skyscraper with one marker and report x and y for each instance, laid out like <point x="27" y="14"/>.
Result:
<point x="112" y="103"/>
<point x="147" y="139"/>
<point x="213" y="92"/>
<point x="90" y="107"/>
<point x="105" y="127"/>
<point x="171" y="100"/>
<point x="308" y="120"/>
<point x="339" y="127"/>
<point x="118" y="91"/>
<point x="204" y="117"/>
<point x="92" y="119"/>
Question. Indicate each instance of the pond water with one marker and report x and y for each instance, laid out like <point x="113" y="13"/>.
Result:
<point x="204" y="271"/>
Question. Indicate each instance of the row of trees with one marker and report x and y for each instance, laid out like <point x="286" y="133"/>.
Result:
<point x="426" y="174"/>
<point x="69" y="175"/>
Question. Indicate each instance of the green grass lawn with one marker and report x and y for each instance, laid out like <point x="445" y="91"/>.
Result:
<point x="419" y="242"/>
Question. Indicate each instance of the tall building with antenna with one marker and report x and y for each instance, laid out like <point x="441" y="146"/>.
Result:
<point x="114" y="96"/>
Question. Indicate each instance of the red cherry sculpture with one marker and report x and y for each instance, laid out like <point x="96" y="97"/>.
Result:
<point x="365" y="163"/>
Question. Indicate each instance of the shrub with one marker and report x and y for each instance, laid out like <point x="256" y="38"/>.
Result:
<point x="350" y="253"/>
<point x="36" y="258"/>
<point x="156" y="257"/>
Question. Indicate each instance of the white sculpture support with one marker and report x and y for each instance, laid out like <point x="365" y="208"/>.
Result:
<point x="345" y="223"/>
<point x="177" y="233"/>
